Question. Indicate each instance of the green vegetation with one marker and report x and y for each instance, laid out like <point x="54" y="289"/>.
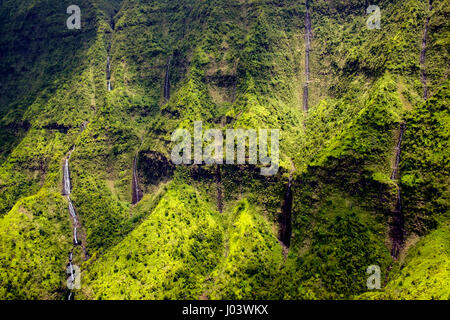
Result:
<point x="166" y="257"/>
<point x="252" y="260"/>
<point x="425" y="164"/>
<point x="35" y="239"/>
<point x="208" y="231"/>
<point x="425" y="272"/>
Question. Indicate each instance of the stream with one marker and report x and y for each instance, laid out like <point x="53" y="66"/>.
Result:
<point x="66" y="191"/>
<point x="167" y="82"/>
<point x="423" y="75"/>
<point x="307" y="50"/>
<point x="108" y="73"/>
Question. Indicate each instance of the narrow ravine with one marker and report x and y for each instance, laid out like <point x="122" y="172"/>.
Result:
<point x="286" y="215"/>
<point x="167" y="81"/>
<point x="218" y="180"/>
<point x="75" y="222"/>
<point x="136" y="193"/>
<point x="108" y="59"/>
<point x="397" y="224"/>
<point x="307" y="50"/>
<point x="423" y="71"/>
<point x="394" y="174"/>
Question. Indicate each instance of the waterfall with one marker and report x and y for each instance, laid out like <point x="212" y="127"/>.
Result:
<point x="71" y="272"/>
<point x="71" y="209"/>
<point x="397" y="224"/>
<point x="66" y="177"/>
<point x="136" y="195"/>
<point x="397" y="152"/>
<point x="307" y="50"/>
<point x="72" y="276"/>
<point x="423" y="75"/>
<point x="167" y="82"/>
<point x="66" y="191"/>
<point x="108" y="73"/>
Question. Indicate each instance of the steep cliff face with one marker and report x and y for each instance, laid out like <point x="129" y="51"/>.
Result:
<point x="118" y="88"/>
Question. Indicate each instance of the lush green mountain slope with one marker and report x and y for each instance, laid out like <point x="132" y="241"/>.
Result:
<point x="212" y="231"/>
<point x="35" y="239"/>
<point x="424" y="272"/>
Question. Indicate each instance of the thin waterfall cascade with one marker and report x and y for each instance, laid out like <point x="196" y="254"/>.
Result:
<point x="136" y="194"/>
<point x="66" y="191"/>
<point x="71" y="271"/>
<point x="307" y="50"/>
<point x="397" y="223"/>
<point x="72" y="211"/>
<point x="75" y="238"/>
<point x="66" y="178"/>
<point x="72" y="275"/>
<point x="167" y="82"/>
<point x="108" y="69"/>
<point x="108" y="73"/>
<point x="423" y="74"/>
<point x="394" y="174"/>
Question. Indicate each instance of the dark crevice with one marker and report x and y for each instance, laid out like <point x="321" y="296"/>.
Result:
<point x="286" y="216"/>
<point x="154" y="167"/>
<point x="167" y="81"/>
<point x="59" y="127"/>
<point x="397" y="223"/>
<point x="137" y="194"/>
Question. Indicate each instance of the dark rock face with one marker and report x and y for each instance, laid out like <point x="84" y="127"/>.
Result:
<point x="286" y="216"/>
<point x="154" y="167"/>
